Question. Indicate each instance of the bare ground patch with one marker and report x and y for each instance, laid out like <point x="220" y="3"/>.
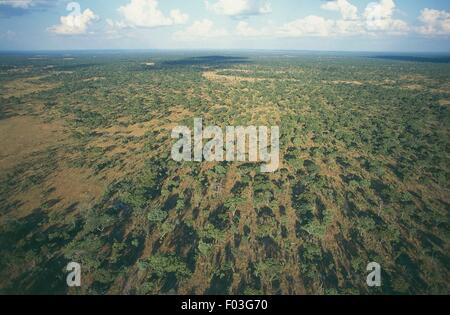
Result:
<point x="22" y="87"/>
<point x="231" y="79"/>
<point x="136" y="130"/>
<point x="347" y="82"/>
<point x="21" y="136"/>
<point x="414" y="87"/>
<point x="75" y="186"/>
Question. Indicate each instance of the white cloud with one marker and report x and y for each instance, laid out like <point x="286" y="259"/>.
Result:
<point x="74" y="23"/>
<point x="347" y="10"/>
<point x="245" y="30"/>
<point x="145" y="13"/>
<point x="239" y="7"/>
<point x="311" y="25"/>
<point x="202" y="29"/>
<point x="349" y="28"/>
<point x="435" y="22"/>
<point x="380" y="10"/>
<point x="178" y="17"/>
<point x="115" y="25"/>
<point x="379" y="18"/>
<point x="116" y="29"/>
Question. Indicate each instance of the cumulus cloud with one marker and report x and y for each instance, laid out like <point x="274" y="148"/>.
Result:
<point x="349" y="28"/>
<point x="435" y="22"/>
<point x="347" y="10"/>
<point x="379" y="17"/>
<point x="311" y="25"/>
<point x="178" y="17"/>
<point x="201" y="29"/>
<point x="145" y="13"/>
<point x="317" y="26"/>
<point x="239" y="8"/>
<point x="115" y="29"/>
<point x="75" y="23"/>
<point x="245" y="30"/>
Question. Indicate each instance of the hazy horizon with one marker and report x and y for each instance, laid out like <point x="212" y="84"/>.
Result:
<point x="245" y="50"/>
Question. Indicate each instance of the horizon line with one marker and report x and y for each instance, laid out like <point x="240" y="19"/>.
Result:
<point x="221" y="49"/>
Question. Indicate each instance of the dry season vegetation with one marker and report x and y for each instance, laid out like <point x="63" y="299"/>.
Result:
<point x="86" y="174"/>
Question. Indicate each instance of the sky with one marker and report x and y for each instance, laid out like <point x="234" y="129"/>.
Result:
<point x="333" y="25"/>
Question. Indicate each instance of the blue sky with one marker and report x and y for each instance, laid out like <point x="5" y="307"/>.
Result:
<point x="352" y="25"/>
